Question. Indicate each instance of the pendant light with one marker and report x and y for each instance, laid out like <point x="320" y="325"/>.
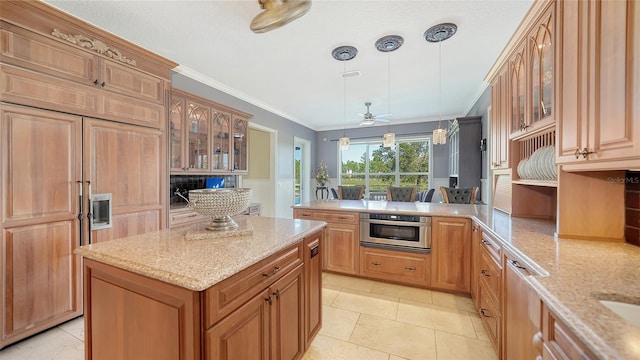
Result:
<point x="439" y="33"/>
<point x="344" y="54"/>
<point x="388" y="44"/>
<point x="278" y="13"/>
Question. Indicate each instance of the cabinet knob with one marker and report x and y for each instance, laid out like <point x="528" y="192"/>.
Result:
<point x="102" y="84"/>
<point x="95" y="82"/>
<point x="269" y="300"/>
<point x="277" y="294"/>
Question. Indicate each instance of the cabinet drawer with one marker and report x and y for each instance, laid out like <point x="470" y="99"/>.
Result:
<point x="306" y="214"/>
<point x="328" y="216"/>
<point x="395" y="266"/>
<point x="229" y="294"/>
<point x="490" y="275"/>
<point x="183" y="217"/>
<point x="492" y="246"/>
<point x="490" y="316"/>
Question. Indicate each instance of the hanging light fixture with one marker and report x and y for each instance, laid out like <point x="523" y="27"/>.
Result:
<point x="439" y="33"/>
<point x="344" y="54"/>
<point x="278" y="13"/>
<point x="388" y="44"/>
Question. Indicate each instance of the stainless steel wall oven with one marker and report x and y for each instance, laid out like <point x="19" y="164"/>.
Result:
<point x="396" y="230"/>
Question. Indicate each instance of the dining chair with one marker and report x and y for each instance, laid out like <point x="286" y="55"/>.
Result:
<point x="401" y="193"/>
<point x="425" y="196"/>
<point x="350" y="192"/>
<point x="459" y="196"/>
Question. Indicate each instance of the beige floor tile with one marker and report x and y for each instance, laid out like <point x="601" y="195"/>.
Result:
<point x="338" y="323"/>
<point x="347" y="282"/>
<point x="329" y="293"/>
<point x="408" y="341"/>
<point x="459" y="302"/>
<point x="53" y="344"/>
<point x="456" y="347"/>
<point x="436" y="317"/>
<point x="326" y="348"/>
<point x="402" y="292"/>
<point x="74" y="328"/>
<point x="478" y="326"/>
<point x="367" y="303"/>
<point x="394" y="357"/>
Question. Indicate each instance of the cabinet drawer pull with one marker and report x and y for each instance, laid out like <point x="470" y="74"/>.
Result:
<point x="410" y="268"/>
<point x="344" y="217"/>
<point x="315" y="251"/>
<point x="516" y="264"/>
<point x="193" y="215"/>
<point x="275" y="270"/>
<point x="484" y="313"/>
<point x="269" y="300"/>
<point x="484" y="272"/>
<point x="305" y="215"/>
<point x="487" y="243"/>
<point x="376" y="263"/>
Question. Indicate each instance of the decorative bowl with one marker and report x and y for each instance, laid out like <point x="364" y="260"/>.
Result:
<point x="220" y="204"/>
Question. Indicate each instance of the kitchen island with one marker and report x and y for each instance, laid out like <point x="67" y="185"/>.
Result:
<point x="179" y="294"/>
<point x="567" y="276"/>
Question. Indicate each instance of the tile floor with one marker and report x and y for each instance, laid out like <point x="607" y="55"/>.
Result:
<point x="362" y="319"/>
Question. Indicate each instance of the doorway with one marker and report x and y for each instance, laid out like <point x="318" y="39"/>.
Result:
<point x="262" y="165"/>
<point x="302" y="170"/>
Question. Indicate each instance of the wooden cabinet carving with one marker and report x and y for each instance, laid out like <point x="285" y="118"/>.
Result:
<point x="599" y="126"/>
<point x="206" y="137"/>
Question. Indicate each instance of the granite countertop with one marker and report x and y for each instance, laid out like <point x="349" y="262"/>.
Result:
<point x="197" y="264"/>
<point x="571" y="275"/>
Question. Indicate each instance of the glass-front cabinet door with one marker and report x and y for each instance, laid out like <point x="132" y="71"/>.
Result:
<point x="221" y="128"/>
<point x="518" y="87"/>
<point x="176" y="133"/>
<point x="541" y="53"/>
<point x="240" y="155"/>
<point x="198" y="116"/>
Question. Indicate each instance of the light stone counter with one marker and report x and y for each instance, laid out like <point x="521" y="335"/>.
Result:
<point x="168" y="255"/>
<point x="572" y="274"/>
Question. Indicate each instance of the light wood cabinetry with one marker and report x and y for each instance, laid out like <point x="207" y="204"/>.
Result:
<point x="341" y="240"/>
<point x="559" y="341"/>
<point x="489" y="293"/>
<point x="476" y="237"/>
<point x="53" y="65"/>
<point x="599" y="57"/>
<point x="206" y="137"/>
<point x="395" y="266"/>
<point x="499" y="137"/>
<point x="521" y="311"/>
<point x="451" y="253"/>
<point x="313" y="253"/>
<point x="270" y="310"/>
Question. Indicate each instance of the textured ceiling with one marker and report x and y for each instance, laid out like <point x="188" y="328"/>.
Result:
<point x="290" y="71"/>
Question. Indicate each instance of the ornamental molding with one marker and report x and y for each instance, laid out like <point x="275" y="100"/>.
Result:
<point x="95" y="45"/>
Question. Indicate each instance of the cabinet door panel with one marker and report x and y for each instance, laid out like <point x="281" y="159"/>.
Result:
<point x="42" y="278"/>
<point x="244" y="334"/>
<point x="341" y="248"/>
<point x="287" y="317"/>
<point x="313" y="253"/>
<point x="131" y="82"/>
<point x="451" y="254"/>
<point x="132" y="111"/>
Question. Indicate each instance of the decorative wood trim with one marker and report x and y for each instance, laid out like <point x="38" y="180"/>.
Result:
<point x="95" y="45"/>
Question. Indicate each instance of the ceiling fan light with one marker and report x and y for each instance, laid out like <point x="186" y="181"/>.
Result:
<point x="388" y="139"/>
<point x="439" y="136"/>
<point x="278" y="13"/>
<point x="344" y="143"/>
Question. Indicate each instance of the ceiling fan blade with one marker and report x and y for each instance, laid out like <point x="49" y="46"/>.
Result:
<point x="361" y="114"/>
<point x="384" y="115"/>
<point x="367" y="122"/>
<point x="382" y="120"/>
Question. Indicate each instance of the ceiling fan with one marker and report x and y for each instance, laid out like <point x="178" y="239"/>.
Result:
<point x="370" y="119"/>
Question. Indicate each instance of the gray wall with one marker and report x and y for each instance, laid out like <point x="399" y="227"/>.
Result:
<point x="287" y="129"/>
<point x="480" y="109"/>
<point x="327" y="148"/>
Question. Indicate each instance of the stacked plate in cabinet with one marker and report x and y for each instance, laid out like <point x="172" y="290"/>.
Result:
<point x="541" y="165"/>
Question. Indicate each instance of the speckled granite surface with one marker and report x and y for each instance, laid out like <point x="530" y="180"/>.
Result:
<point x="200" y="263"/>
<point x="573" y="274"/>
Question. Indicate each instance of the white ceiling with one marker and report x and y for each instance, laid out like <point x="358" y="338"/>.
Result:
<point x="290" y="70"/>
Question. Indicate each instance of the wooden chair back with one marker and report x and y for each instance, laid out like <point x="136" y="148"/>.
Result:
<point x="350" y="192"/>
<point x="459" y="196"/>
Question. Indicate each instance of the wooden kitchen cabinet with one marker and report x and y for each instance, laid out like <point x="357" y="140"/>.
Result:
<point x="599" y="61"/>
<point x="489" y="298"/>
<point x="313" y="253"/>
<point x="499" y="141"/>
<point x="41" y="162"/>
<point x="395" y="266"/>
<point x="206" y="137"/>
<point x="521" y="311"/>
<point x="559" y="341"/>
<point x="341" y="240"/>
<point x="451" y="253"/>
<point x="476" y="237"/>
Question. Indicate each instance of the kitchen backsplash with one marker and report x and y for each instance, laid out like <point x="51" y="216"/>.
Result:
<point x="191" y="182"/>
<point x="632" y="208"/>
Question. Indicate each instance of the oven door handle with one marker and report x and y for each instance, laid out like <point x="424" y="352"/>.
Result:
<point x="397" y="223"/>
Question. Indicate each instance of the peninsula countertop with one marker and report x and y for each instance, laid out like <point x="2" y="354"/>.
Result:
<point x="196" y="263"/>
<point x="572" y="274"/>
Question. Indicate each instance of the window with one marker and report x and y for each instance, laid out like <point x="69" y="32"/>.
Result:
<point x="370" y="164"/>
